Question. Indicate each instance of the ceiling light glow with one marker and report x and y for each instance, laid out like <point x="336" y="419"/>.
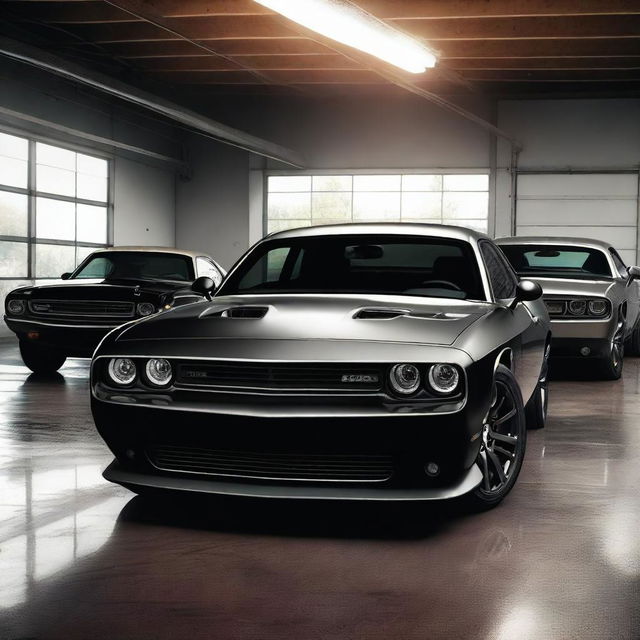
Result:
<point x="346" y="23"/>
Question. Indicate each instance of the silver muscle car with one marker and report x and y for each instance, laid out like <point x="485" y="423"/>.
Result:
<point x="377" y="362"/>
<point x="592" y="297"/>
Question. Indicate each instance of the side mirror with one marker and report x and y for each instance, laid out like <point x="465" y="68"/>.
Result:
<point x="65" y="276"/>
<point x="634" y="273"/>
<point x="204" y="286"/>
<point x="526" y="291"/>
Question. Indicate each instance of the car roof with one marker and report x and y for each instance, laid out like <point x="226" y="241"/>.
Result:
<point x="382" y="228"/>
<point x="567" y="242"/>
<point x="191" y="254"/>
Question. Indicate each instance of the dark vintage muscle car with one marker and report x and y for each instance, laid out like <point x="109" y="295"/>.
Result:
<point x="365" y="361"/>
<point x="110" y="287"/>
<point x="592" y="297"/>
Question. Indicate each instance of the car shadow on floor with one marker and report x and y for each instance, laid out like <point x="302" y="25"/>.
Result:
<point x="296" y="518"/>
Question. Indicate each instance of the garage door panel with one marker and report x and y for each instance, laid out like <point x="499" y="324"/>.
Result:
<point x="605" y="185"/>
<point x="628" y="256"/>
<point x="622" y="238"/>
<point x="577" y="212"/>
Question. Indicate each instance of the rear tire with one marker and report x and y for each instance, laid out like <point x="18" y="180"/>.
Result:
<point x="504" y="443"/>
<point x="41" y="359"/>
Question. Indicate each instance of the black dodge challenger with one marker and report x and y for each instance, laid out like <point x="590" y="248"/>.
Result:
<point x="367" y="361"/>
<point x="110" y="287"/>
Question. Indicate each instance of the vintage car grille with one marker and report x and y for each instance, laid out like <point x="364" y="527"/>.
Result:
<point x="272" y="466"/>
<point x="104" y="309"/>
<point x="282" y="376"/>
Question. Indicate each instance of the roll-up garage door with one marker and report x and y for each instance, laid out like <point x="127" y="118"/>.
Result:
<point x="595" y="205"/>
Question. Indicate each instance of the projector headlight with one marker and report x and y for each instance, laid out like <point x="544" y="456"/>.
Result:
<point x="122" y="370"/>
<point x="444" y="378"/>
<point x="598" y="307"/>
<point x="16" y="307"/>
<point x="577" y="307"/>
<point x="404" y="379"/>
<point x="159" y="372"/>
<point x="145" y="309"/>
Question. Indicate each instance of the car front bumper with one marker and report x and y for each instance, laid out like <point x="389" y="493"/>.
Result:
<point x="73" y="340"/>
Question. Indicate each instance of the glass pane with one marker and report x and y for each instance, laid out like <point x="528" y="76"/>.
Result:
<point x="14" y="147"/>
<point x="52" y="260"/>
<point x="466" y="183"/>
<point x="55" y="156"/>
<point x="92" y="166"/>
<point x="331" y="206"/>
<point x="283" y="225"/>
<point x="332" y="183"/>
<point x="92" y="187"/>
<point x="55" y="219"/>
<point x="422" y="206"/>
<point x="465" y="205"/>
<point x="376" y="183"/>
<point x="13" y="214"/>
<point x="13" y="172"/>
<point x="376" y="206"/>
<point x="14" y="257"/>
<point x="421" y="183"/>
<point x="289" y="205"/>
<point x="289" y="183"/>
<point x="82" y="253"/>
<point x="91" y="224"/>
<point x="58" y="181"/>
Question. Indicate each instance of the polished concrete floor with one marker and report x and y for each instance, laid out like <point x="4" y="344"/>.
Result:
<point x="80" y="558"/>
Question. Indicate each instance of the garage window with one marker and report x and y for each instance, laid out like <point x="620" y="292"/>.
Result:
<point x="309" y="200"/>
<point x="54" y="207"/>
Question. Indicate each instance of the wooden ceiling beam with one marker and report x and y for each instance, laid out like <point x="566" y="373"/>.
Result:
<point x="535" y="64"/>
<point x="554" y="75"/>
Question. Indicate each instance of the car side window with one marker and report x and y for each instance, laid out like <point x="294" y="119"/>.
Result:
<point x="502" y="278"/>
<point x="620" y="265"/>
<point x="206" y="268"/>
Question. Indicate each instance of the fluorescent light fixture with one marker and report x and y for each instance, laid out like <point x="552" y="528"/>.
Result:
<point x="342" y="21"/>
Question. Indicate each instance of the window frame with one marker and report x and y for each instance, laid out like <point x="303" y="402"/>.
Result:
<point x="501" y="260"/>
<point x="31" y="192"/>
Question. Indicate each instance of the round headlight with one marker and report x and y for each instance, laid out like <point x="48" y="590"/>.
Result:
<point x="122" y="370"/>
<point x="404" y="378"/>
<point x="159" y="371"/>
<point x="578" y="307"/>
<point x="16" y="307"/>
<point x="444" y="378"/>
<point x="597" y="307"/>
<point x="145" y="309"/>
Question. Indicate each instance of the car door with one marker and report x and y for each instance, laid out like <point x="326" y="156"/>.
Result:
<point x="632" y="293"/>
<point x="528" y="318"/>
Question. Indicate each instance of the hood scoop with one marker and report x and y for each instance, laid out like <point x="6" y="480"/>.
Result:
<point x="379" y="314"/>
<point x="252" y="313"/>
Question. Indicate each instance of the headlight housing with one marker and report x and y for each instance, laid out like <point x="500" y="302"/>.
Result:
<point x="577" y="307"/>
<point x="145" y="309"/>
<point x="404" y="379"/>
<point x="122" y="371"/>
<point x="444" y="378"/>
<point x="16" y="307"/>
<point x="598" y="307"/>
<point x="159" y="372"/>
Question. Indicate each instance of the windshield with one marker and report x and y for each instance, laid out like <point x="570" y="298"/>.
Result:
<point x="557" y="261"/>
<point x="360" y="264"/>
<point x="136" y="265"/>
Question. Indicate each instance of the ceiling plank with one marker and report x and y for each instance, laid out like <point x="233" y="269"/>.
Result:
<point x="87" y="12"/>
<point x="554" y="75"/>
<point x="307" y="76"/>
<point x="465" y="64"/>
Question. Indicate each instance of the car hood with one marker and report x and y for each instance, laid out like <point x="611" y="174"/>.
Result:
<point x="567" y="287"/>
<point x="426" y="321"/>
<point x="100" y="289"/>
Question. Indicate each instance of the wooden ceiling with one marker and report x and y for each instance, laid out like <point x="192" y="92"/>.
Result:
<point x="497" y="47"/>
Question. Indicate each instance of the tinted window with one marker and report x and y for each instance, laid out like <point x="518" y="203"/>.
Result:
<point x="207" y="268"/>
<point x="360" y="264"/>
<point x="136" y="265"/>
<point x="557" y="261"/>
<point x="503" y="281"/>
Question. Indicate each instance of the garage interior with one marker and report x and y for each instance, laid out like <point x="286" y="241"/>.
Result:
<point x="218" y="121"/>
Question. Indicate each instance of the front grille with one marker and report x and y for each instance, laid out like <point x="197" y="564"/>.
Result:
<point x="282" y="376"/>
<point x="105" y="309"/>
<point x="272" y="466"/>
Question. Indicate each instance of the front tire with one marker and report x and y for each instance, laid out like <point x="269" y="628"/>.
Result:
<point x="504" y="440"/>
<point x="40" y="359"/>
